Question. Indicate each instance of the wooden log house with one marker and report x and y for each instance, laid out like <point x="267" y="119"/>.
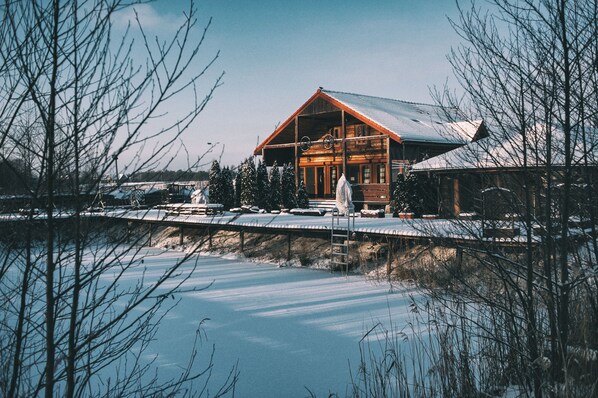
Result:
<point x="502" y="168"/>
<point x="369" y="139"/>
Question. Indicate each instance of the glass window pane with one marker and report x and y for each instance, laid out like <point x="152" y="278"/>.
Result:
<point x="365" y="174"/>
<point x="381" y="174"/>
<point x="353" y="174"/>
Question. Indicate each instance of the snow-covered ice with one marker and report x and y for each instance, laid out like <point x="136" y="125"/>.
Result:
<point x="288" y="328"/>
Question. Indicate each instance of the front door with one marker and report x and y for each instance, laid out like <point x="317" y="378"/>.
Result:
<point x="310" y="184"/>
<point x="320" y="181"/>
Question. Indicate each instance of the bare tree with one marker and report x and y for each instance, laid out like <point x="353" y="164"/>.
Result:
<point x="75" y="99"/>
<point x="528" y="68"/>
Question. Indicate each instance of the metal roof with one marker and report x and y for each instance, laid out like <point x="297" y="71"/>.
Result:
<point x="409" y="121"/>
<point x="508" y="152"/>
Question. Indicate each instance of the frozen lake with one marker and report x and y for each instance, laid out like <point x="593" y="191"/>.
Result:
<point x="289" y="329"/>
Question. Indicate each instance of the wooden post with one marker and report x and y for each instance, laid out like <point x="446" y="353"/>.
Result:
<point x="242" y="236"/>
<point x="344" y="143"/>
<point x="288" y="247"/>
<point x="181" y="235"/>
<point x="456" y="197"/>
<point x="150" y="233"/>
<point x="209" y="239"/>
<point x="388" y="171"/>
<point x="389" y="259"/>
<point x="459" y="258"/>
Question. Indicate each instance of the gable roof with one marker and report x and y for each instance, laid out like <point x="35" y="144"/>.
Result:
<point x="494" y="153"/>
<point x="403" y="121"/>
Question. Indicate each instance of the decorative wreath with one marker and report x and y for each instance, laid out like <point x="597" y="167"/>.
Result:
<point x="328" y="141"/>
<point x="305" y="143"/>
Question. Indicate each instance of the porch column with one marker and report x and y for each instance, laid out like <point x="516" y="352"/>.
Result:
<point x="344" y="133"/>
<point x="456" y="197"/>
<point x="296" y="151"/>
<point x="388" y="167"/>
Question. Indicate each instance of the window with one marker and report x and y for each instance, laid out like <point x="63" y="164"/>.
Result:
<point x="361" y="130"/>
<point x="335" y="132"/>
<point x="333" y="179"/>
<point x="366" y="172"/>
<point x="353" y="174"/>
<point x="381" y="173"/>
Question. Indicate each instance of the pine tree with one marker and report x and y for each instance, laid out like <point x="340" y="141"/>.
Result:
<point x="215" y="183"/>
<point x="248" y="183"/>
<point x="262" y="187"/>
<point x="237" y="187"/>
<point x="275" y="194"/>
<point x="228" y="189"/>
<point x="288" y="188"/>
<point x="302" y="197"/>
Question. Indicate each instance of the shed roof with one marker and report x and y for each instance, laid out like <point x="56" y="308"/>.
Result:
<point x="403" y="121"/>
<point x="493" y="153"/>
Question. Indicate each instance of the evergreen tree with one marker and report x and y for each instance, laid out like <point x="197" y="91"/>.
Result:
<point x="302" y="197"/>
<point x="228" y="189"/>
<point x="275" y="194"/>
<point x="288" y="188"/>
<point x="415" y="193"/>
<point x="248" y="183"/>
<point x="262" y="186"/>
<point x="215" y="183"/>
<point x="237" y="187"/>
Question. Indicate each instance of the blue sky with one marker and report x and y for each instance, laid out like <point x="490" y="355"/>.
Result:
<point x="275" y="54"/>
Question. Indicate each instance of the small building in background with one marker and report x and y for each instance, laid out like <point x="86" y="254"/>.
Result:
<point x="507" y="173"/>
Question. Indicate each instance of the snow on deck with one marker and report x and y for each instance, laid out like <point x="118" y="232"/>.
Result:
<point x="389" y="226"/>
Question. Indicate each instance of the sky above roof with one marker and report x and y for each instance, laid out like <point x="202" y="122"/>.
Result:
<point x="275" y="54"/>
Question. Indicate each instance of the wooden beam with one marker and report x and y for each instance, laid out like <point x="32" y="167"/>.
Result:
<point x="280" y="146"/>
<point x="344" y="142"/>
<point x="348" y="139"/>
<point x="181" y="236"/>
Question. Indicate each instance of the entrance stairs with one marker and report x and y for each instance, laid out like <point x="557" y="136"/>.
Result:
<point x="324" y="204"/>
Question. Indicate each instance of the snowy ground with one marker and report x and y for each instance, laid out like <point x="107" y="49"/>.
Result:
<point x="288" y="328"/>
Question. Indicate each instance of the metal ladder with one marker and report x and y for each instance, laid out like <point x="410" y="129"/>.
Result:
<point x="339" y="238"/>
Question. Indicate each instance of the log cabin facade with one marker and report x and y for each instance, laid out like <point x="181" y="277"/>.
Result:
<point x="369" y="139"/>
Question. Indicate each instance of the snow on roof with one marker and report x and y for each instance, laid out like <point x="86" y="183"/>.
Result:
<point x="410" y="121"/>
<point x="507" y="152"/>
